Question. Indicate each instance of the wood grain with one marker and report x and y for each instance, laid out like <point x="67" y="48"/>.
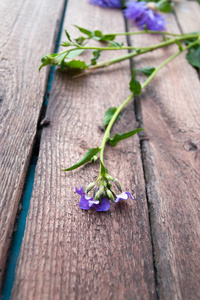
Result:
<point x="27" y="32"/>
<point x="170" y="110"/>
<point x="72" y="254"/>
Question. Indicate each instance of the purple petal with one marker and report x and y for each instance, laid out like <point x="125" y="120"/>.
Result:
<point x="107" y="3"/>
<point x="140" y="13"/>
<point x="84" y="204"/>
<point x="103" y="206"/>
<point x="124" y="196"/>
<point x="81" y="192"/>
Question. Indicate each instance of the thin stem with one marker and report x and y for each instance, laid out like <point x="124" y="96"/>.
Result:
<point x="144" y="50"/>
<point x="107" y="132"/>
<point x="145" y="32"/>
<point x="165" y="43"/>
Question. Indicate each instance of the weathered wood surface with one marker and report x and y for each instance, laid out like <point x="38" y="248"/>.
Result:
<point x="27" y="31"/>
<point x="72" y="254"/>
<point x="170" y="110"/>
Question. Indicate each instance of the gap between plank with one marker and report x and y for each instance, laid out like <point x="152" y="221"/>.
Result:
<point x="138" y="115"/>
<point x="23" y="208"/>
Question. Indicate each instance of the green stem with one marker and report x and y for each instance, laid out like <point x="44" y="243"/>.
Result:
<point x="145" y="32"/>
<point x="108" y="129"/>
<point x="144" y="50"/>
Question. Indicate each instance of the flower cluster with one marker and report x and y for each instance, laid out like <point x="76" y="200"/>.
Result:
<point x="142" y="13"/>
<point x="107" y="3"/>
<point x="144" y="16"/>
<point x="103" y="194"/>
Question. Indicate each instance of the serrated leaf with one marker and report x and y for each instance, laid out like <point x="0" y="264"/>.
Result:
<point x="75" y="64"/>
<point x="146" y="71"/>
<point x="86" y="158"/>
<point x="96" y="54"/>
<point x="122" y="136"/>
<point x="134" y="85"/>
<point x="193" y="56"/>
<point x="108" y="116"/>
<point x="84" y="30"/>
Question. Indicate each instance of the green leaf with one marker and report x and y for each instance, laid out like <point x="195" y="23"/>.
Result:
<point x="134" y="85"/>
<point x="122" y="136"/>
<point x="66" y="44"/>
<point x="96" y="54"/>
<point x="108" y="116"/>
<point x="80" y="40"/>
<point x="97" y="34"/>
<point x="164" y="6"/>
<point x="74" y="64"/>
<point x="193" y="56"/>
<point x="85" y="31"/>
<point x="107" y="37"/>
<point x="43" y="65"/>
<point x="46" y="61"/>
<point x="68" y="36"/>
<point x="146" y="71"/>
<point x="115" y="44"/>
<point x="75" y="53"/>
<point x="86" y="158"/>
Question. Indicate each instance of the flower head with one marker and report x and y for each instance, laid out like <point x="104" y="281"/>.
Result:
<point x="142" y="15"/>
<point x="107" y="3"/>
<point x="88" y="202"/>
<point x="103" y="194"/>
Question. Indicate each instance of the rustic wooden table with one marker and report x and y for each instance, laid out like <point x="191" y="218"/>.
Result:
<point x="146" y="249"/>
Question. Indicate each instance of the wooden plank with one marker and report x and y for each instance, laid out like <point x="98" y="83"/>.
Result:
<point x="72" y="254"/>
<point x="188" y="11"/>
<point x="27" y="31"/>
<point x="170" y="110"/>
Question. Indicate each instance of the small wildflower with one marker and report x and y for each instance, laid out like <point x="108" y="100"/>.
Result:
<point x="103" y="194"/>
<point x="142" y="15"/>
<point x="124" y="196"/>
<point x="107" y="3"/>
<point x="88" y="202"/>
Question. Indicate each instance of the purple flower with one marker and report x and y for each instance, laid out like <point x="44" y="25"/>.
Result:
<point x="107" y="3"/>
<point x="88" y="202"/>
<point x="143" y="16"/>
<point x="124" y="196"/>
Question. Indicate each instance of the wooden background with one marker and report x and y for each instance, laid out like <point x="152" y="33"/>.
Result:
<point x="146" y="249"/>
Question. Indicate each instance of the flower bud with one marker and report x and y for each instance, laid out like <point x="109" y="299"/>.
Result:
<point x="152" y="5"/>
<point x="89" y="187"/>
<point x="118" y="185"/>
<point x="110" y="195"/>
<point x="110" y="177"/>
<point x="97" y="196"/>
<point x="101" y="191"/>
<point x="105" y="183"/>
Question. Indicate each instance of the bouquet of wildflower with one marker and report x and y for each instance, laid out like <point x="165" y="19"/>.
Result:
<point x="107" y="189"/>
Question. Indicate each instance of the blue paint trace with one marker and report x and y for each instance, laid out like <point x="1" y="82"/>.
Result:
<point x="21" y="222"/>
<point x="18" y="235"/>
